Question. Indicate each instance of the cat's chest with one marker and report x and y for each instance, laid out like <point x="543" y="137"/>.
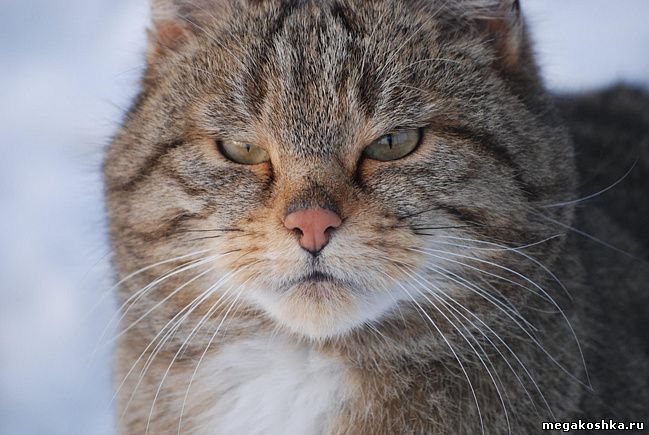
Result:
<point x="272" y="386"/>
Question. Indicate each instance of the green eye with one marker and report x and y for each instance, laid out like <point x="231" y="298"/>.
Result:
<point x="394" y="146"/>
<point x="244" y="153"/>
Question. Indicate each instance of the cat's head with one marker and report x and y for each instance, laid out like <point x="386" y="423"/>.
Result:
<point x="323" y="156"/>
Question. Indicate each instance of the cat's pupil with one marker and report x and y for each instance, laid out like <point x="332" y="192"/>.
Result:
<point x="390" y="141"/>
<point x="248" y="147"/>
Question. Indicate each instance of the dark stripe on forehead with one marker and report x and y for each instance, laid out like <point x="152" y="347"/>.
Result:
<point x="256" y="85"/>
<point x="346" y="17"/>
<point x="287" y="9"/>
<point x="369" y="88"/>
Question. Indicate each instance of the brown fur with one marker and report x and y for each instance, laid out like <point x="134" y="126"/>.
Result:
<point x="314" y="83"/>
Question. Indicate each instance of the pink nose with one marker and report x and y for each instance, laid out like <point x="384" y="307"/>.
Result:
<point x="313" y="224"/>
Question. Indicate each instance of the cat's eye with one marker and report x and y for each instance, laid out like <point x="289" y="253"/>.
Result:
<point x="394" y="146"/>
<point x="243" y="153"/>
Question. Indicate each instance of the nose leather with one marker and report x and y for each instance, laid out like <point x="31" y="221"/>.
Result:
<point x="314" y="225"/>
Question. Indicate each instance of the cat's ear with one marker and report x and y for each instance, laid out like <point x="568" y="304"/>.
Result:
<point x="175" y="22"/>
<point x="169" y="30"/>
<point x="500" y="23"/>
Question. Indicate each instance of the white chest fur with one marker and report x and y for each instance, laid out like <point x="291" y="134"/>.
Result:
<point x="272" y="386"/>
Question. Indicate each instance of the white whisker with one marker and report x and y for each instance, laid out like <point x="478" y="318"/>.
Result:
<point x="484" y="364"/>
<point x="137" y="295"/>
<point x="593" y="195"/>
<point x="162" y="337"/>
<point x="549" y="298"/>
<point x="516" y="250"/>
<point x="160" y="303"/>
<point x="209" y="344"/>
<point x="472" y="314"/>
<point x="464" y="371"/>
<point x="212" y="309"/>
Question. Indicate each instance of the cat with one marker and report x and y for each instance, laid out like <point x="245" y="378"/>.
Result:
<point x="366" y="217"/>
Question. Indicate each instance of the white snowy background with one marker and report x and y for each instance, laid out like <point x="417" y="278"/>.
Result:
<point x="68" y="70"/>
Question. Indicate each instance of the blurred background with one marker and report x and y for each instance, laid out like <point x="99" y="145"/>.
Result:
<point x="68" y="71"/>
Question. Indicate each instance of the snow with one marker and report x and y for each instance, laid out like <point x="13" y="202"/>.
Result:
<point x="67" y="74"/>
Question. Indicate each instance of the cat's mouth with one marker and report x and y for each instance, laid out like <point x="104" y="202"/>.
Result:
<point x="318" y="304"/>
<point x="317" y="284"/>
<point x="317" y="276"/>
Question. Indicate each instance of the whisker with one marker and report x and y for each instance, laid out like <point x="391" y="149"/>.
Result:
<point x="498" y="350"/>
<point x="531" y="337"/>
<point x="486" y="272"/>
<point x="589" y="236"/>
<point x="137" y="295"/>
<point x="484" y="364"/>
<point x="372" y="328"/>
<point x="396" y="303"/>
<point x="162" y="337"/>
<point x="144" y="269"/>
<point x="464" y="371"/>
<point x="507" y="308"/>
<point x="499" y="247"/>
<point x="212" y="309"/>
<point x="157" y="305"/>
<point x="549" y="298"/>
<point x="209" y="344"/>
<point x="515" y="250"/>
<point x="486" y="296"/>
<point x="593" y="195"/>
<point x="184" y="314"/>
<point x="431" y="228"/>
<point x="224" y="297"/>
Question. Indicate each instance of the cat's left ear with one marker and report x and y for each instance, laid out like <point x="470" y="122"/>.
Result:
<point x="508" y="30"/>
<point x="501" y="23"/>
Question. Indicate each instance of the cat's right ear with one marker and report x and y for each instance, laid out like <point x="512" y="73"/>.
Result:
<point x="170" y="30"/>
<point x="176" y="23"/>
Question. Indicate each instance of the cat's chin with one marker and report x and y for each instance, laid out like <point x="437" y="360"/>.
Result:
<point x="321" y="309"/>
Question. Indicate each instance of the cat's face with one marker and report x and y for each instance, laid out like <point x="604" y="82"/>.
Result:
<point x="310" y="86"/>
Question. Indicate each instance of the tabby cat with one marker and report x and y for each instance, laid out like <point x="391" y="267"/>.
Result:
<point x="365" y="217"/>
